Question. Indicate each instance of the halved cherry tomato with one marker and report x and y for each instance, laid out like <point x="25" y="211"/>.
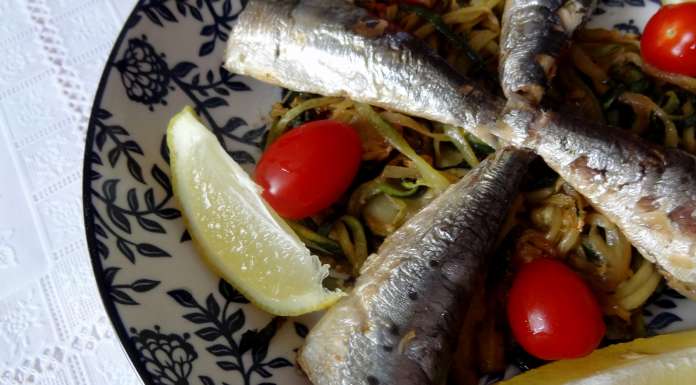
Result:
<point x="669" y="39"/>
<point x="552" y="312"/>
<point x="308" y="168"/>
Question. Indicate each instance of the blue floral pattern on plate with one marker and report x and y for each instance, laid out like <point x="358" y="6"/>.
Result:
<point x="179" y="322"/>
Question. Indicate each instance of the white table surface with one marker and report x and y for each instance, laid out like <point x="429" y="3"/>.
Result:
<point x="53" y="328"/>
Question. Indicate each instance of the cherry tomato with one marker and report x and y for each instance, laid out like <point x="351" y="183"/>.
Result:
<point x="308" y="168"/>
<point x="669" y="39"/>
<point x="552" y="312"/>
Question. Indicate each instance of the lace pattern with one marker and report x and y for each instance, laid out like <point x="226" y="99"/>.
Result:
<point x="53" y="329"/>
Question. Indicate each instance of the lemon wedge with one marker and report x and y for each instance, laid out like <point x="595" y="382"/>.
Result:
<point x="671" y="2"/>
<point x="662" y="360"/>
<point x="241" y="237"/>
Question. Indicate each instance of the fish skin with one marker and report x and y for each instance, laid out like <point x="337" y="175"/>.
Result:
<point x="533" y="34"/>
<point x="547" y="133"/>
<point x="649" y="191"/>
<point x="310" y="45"/>
<point x="400" y="323"/>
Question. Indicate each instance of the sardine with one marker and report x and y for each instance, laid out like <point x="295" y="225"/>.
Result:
<point x="315" y="46"/>
<point x="332" y="48"/>
<point x="400" y="323"/>
<point x="648" y="190"/>
<point x="532" y="36"/>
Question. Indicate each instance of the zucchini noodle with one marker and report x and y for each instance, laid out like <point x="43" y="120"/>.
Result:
<point x="408" y="122"/>
<point x="633" y="292"/>
<point x="351" y="236"/>
<point x="314" y="240"/>
<point x="456" y="136"/>
<point x="689" y="140"/>
<point x="611" y="251"/>
<point x="399" y="193"/>
<point x="361" y="195"/>
<point x="280" y="126"/>
<point x="560" y="215"/>
<point x="431" y="176"/>
<point x="685" y="82"/>
<point x="608" y="37"/>
<point x="623" y="57"/>
<point x="643" y="106"/>
<point x="399" y="172"/>
<point x="384" y="214"/>
<point x="587" y="66"/>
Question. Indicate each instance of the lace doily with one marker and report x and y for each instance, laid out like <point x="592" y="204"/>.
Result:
<point x="53" y="329"/>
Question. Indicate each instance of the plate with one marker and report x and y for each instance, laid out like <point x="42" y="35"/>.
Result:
<point x="178" y="321"/>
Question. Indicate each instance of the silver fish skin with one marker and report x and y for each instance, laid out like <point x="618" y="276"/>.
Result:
<point x="649" y="191"/>
<point x="333" y="48"/>
<point x="399" y="325"/>
<point x="533" y="34"/>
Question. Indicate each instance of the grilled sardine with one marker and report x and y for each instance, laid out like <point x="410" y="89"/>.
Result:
<point x="649" y="191"/>
<point x="333" y="48"/>
<point x="400" y="323"/>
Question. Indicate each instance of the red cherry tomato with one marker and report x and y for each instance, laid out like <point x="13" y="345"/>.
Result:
<point x="669" y="39"/>
<point x="552" y="313"/>
<point x="308" y="168"/>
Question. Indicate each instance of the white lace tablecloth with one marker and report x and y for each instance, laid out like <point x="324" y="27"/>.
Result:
<point x="53" y="328"/>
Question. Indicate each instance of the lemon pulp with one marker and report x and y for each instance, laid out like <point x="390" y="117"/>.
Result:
<point x="235" y="230"/>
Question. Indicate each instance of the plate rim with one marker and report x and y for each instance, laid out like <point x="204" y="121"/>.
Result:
<point x="87" y="208"/>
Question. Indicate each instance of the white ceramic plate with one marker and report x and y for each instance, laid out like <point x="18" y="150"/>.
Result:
<point x="179" y="322"/>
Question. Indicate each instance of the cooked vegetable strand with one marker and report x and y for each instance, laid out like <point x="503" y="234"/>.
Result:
<point x="432" y="177"/>
<point x="314" y="240"/>
<point x="457" y="137"/>
<point x="279" y="128"/>
<point x="452" y="37"/>
<point x="351" y="237"/>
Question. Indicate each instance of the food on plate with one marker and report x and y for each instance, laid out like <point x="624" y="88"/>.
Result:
<point x="669" y="40"/>
<point x="308" y="169"/>
<point x="552" y="312"/>
<point x="399" y="324"/>
<point x="665" y="359"/>
<point x="647" y="190"/>
<point x="382" y="159"/>
<point x="235" y="230"/>
<point x="533" y="34"/>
